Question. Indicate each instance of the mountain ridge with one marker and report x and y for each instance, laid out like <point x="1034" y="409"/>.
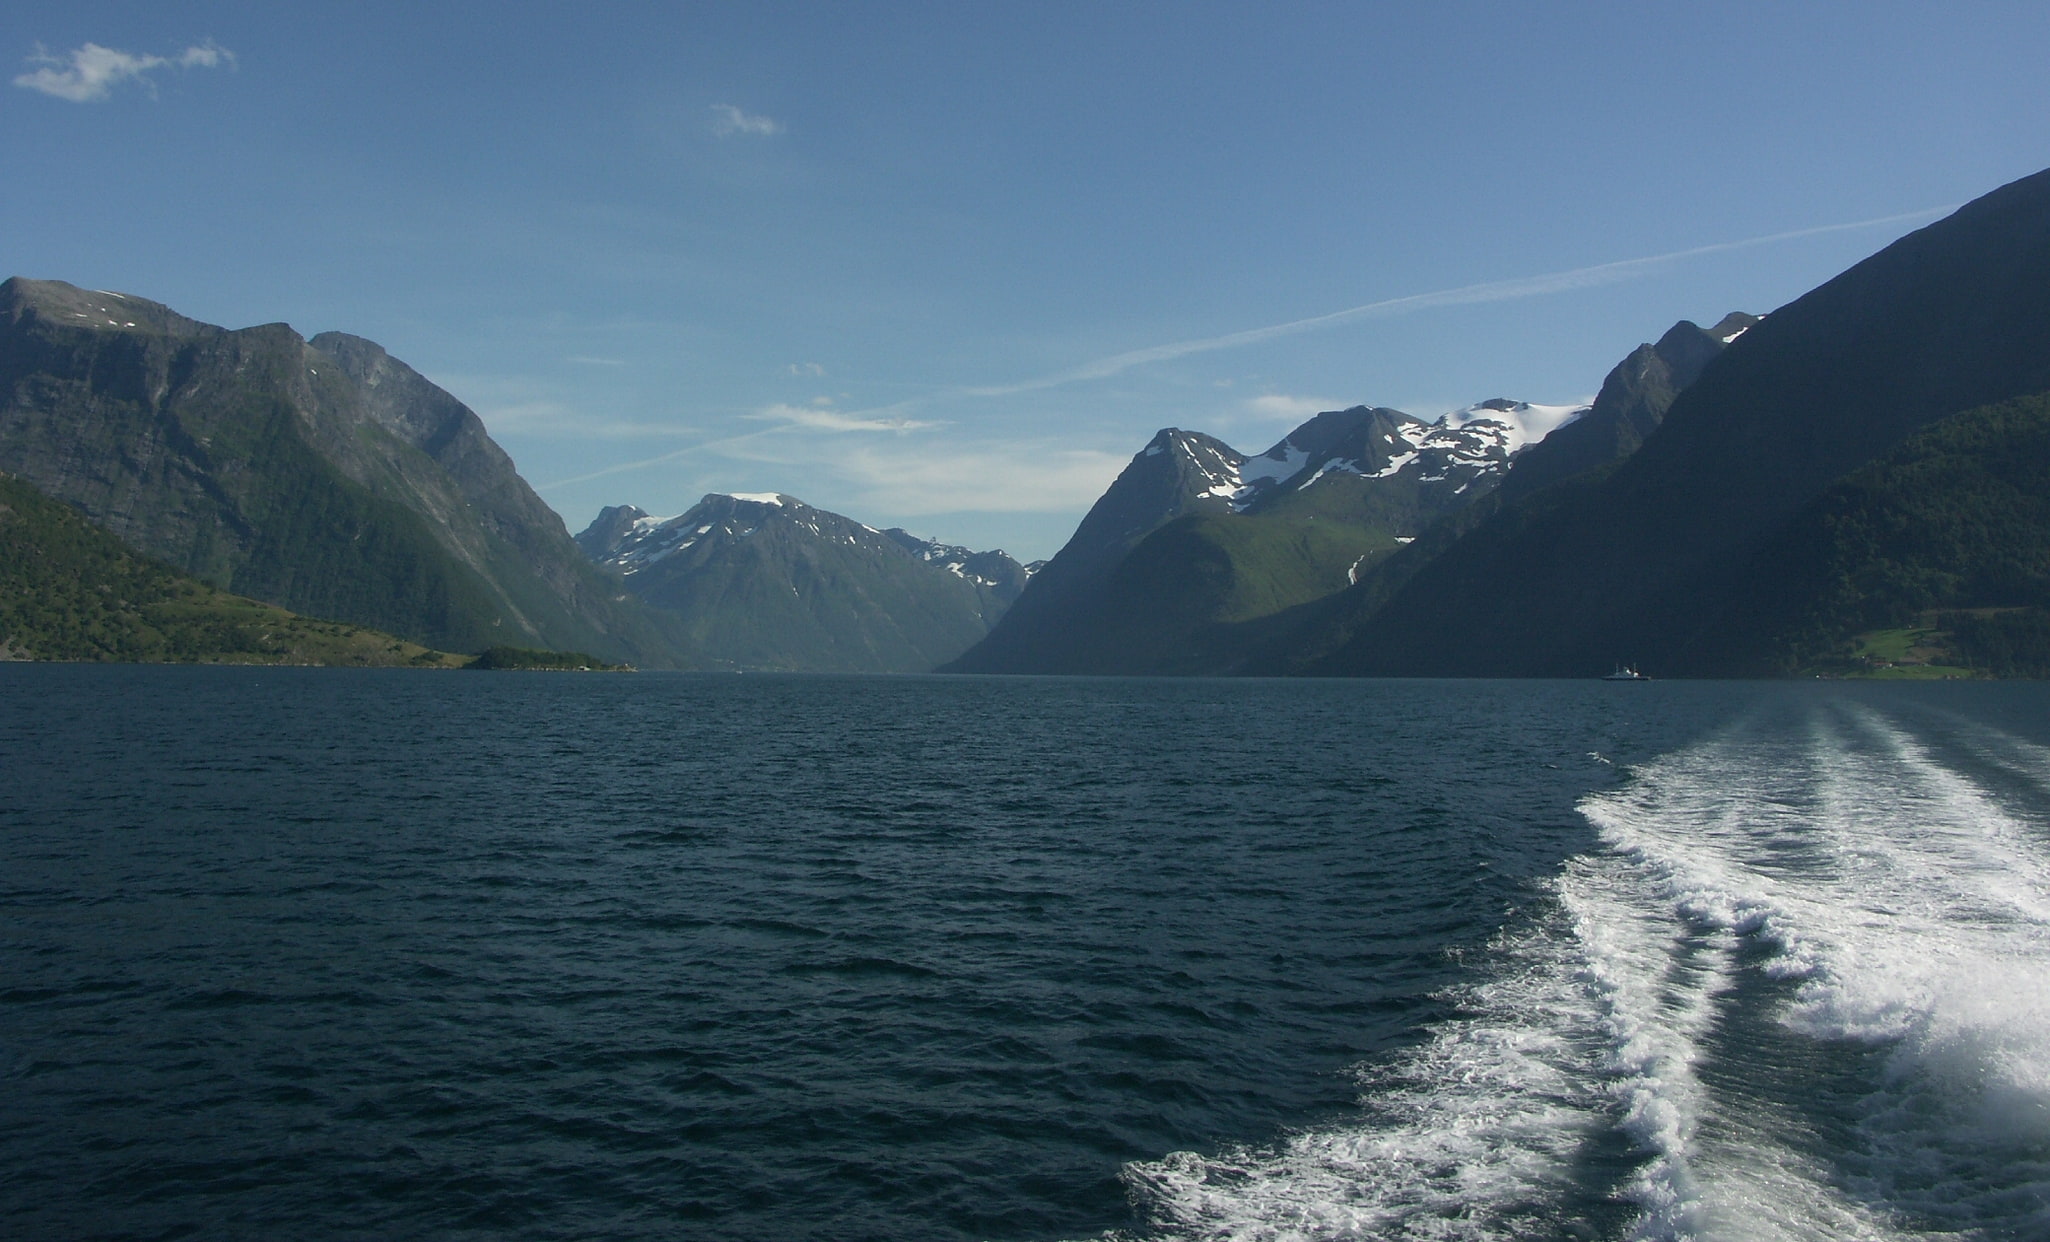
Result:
<point x="1195" y="541"/>
<point x="1637" y="565"/>
<point x="768" y="582"/>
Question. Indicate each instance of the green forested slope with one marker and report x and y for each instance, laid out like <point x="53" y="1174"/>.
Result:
<point x="71" y="591"/>
<point x="344" y="486"/>
<point x="1951" y="529"/>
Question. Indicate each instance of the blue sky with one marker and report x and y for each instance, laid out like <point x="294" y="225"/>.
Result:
<point x="921" y="264"/>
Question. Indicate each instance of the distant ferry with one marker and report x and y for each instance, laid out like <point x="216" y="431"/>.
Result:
<point x="1626" y="672"/>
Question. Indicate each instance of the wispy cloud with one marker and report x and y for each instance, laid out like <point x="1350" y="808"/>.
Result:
<point x="911" y="476"/>
<point x="624" y="467"/>
<point x="915" y="475"/>
<point x="91" y="72"/>
<point x="825" y="418"/>
<point x="1463" y="295"/>
<point x="1289" y="409"/>
<point x="730" y="122"/>
<point x="987" y="479"/>
<point x="544" y="419"/>
<point x="754" y="445"/>
<point x="806" y="368"/>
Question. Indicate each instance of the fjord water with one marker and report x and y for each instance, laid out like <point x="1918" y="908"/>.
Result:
<point x="315" y="953"/>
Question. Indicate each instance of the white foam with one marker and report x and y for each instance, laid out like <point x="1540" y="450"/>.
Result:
<point x="1887" y="901"/>
<point x="1912" y="909"/>
<point x="1472" y="1135"/>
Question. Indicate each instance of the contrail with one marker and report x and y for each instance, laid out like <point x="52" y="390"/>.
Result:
<point x="1463" y="295"/>
<point x="1491" y="291"/>
<point x="622" y="468"/>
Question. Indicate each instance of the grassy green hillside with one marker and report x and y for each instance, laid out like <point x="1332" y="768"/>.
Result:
<point x="1194" y="594"/>
<point x="70" y="591"/>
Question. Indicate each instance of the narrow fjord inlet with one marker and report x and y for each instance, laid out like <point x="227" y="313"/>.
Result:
<point x="353" y="954"/>
<point x="1132" y="622"/>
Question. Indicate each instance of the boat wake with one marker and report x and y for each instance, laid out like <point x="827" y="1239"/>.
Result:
<point x="1803" y="992"/>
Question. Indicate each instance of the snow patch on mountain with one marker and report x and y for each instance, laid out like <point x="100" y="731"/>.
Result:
<point x="1283" y="461"/>
<point x="1459" y="447"/>
<point x="1526" y="422"/>
<point x="632" y="541"/>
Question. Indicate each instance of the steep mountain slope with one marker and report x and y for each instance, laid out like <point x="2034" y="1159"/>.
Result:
<point x="1195" y="543"/>
<point x="769" y="582"/>
<point x="71" y="591"/>
<point x="335" y="483"/>
<point x="1636" y="565"/>
<point x="1177" y="472"/>
<point x="1632" y="403"/>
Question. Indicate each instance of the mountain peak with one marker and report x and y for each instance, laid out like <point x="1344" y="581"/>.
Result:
<point x="1733" y="325"/>
<point x="759" y="498"/>
<point x="67" y="305"/>
<point x="764" y="581"/>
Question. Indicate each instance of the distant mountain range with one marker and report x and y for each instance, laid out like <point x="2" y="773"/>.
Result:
<point x="1198" y="553"/>
<point x="769" y="582"/>
<point x="1860" y="473"/>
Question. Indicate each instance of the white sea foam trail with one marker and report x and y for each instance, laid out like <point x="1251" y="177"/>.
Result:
<point x="1802" y="994"/>
<point x="1473" y="1135"/>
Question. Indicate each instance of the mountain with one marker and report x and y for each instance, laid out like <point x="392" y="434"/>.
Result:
<point x="769" y="582"/>
<point x="1180" y="565"/>
<point x="1949" y="533"/>
<point x="71" y="591"/>
<point x="1632" y="403"/>
<point x="324" y="477"/>
<point x="1661" y="560"/>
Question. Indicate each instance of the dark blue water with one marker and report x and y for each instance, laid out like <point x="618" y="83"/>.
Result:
<point x="312" y="954"/>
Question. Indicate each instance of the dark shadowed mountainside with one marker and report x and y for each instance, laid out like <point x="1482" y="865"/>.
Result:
<point x="1643" y="564"/>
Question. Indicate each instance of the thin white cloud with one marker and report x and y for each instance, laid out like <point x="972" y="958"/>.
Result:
<point x="915" y="479"/>
<point x="938" y="480"/>
<point x="542" y="419"/>
<point x="1463" y="295"/>
<point x="1289" y="409"/>
<point x="916" y="475"/>
<point x="622" y="468"/>
<point x="806" y="368"/>
<point x="91" y="72"/>
<point x="822" y="417"/>
<point x="730" y="122"/>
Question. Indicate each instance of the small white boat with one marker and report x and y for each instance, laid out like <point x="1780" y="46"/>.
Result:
<point x="1626" y="672"/>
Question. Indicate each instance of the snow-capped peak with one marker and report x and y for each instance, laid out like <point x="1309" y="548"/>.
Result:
<point x="1458" y="447"/>
<point x="1527" y="423"/>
